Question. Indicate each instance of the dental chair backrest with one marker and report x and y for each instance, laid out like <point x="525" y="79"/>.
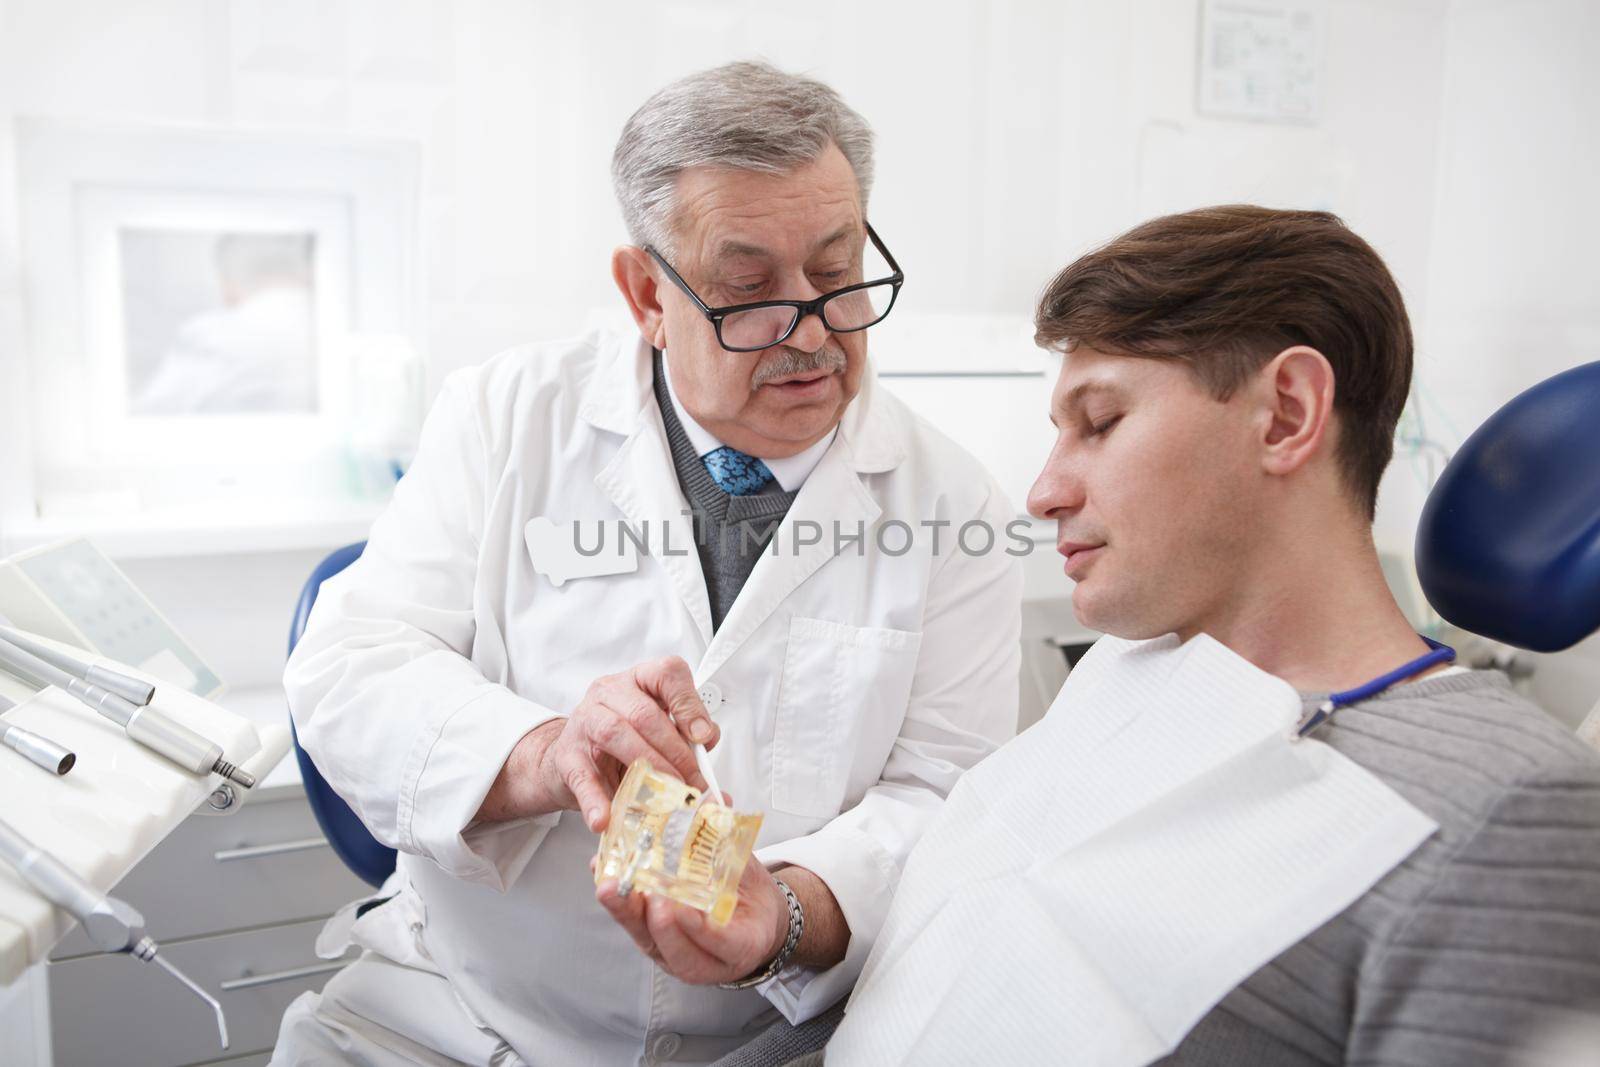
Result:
<point x="352" y="842"/>
<point x="1509" y="541"/>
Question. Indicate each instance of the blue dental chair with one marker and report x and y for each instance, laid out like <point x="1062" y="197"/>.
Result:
<point x="1508" y="545"/>
<point x="362" y="853"/>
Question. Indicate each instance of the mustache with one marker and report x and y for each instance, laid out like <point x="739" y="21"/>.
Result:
<point x="791" y="361"/>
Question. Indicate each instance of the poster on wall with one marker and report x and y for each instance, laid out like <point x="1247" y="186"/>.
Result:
<point x="1260" y="60"/>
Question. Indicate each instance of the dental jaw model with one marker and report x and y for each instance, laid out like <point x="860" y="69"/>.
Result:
<point x="666" y="839"/>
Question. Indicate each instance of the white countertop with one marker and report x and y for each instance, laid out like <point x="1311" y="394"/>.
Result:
<point x="119" y="802"/>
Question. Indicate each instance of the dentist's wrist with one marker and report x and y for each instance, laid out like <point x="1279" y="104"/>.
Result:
<point x="520" y="789"/>
<point x="792" y="929"/>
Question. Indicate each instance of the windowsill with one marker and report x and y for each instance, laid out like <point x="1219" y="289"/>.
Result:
<point x="220" y="530"/>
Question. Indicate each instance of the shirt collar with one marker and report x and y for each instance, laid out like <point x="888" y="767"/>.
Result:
<point x="790" y="472"/>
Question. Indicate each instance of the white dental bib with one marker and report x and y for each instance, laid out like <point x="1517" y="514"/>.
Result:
<point x="1094" y="888"/>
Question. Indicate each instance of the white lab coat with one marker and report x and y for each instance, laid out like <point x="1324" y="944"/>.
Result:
<point x="853" y="687"/>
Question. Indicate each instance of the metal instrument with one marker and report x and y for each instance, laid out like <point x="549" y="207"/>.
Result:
<point x="130" y="689"/>
<point x="147" y="726"/>
<point x="39" y="750"/>
<point x="111" y="924"/>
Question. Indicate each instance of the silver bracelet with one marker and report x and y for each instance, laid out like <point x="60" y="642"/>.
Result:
<point x="797" y="926"/>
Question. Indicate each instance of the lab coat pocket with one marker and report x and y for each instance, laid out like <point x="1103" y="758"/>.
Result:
<point x="841" y="699"/>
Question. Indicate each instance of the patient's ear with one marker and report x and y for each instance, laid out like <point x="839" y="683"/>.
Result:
<point x="1296" y="389"/>
<point x="631" y="269"/>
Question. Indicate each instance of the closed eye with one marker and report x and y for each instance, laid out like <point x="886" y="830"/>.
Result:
<point x="1103" y="426"/>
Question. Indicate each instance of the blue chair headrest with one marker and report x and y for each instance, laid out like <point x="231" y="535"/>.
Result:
<point x="1509" y="541"/>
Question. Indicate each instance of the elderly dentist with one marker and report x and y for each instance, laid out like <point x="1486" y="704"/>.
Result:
<point x="476" y="711"/>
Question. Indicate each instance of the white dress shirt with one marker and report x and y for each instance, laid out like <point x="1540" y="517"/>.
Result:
<point x="790" y="472"/>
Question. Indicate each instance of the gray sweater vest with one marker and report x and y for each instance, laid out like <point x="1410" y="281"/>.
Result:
<point x="730" y="531"/>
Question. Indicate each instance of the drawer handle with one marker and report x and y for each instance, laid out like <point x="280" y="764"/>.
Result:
<point x="255" y="980"/>
<point x="283" y="848"/>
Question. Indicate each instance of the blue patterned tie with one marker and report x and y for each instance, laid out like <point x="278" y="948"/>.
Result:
<point x="736" y="473"/>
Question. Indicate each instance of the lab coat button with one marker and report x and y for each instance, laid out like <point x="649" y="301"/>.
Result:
<point x="711" y="697"/>
<point x="665" y="1046"/>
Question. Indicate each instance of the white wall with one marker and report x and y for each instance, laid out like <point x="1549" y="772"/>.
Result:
<point x="15" y="483"/>
<point x="1011" y="135"/>
<point x="1513" y="291"/>
<point x="1515" y="295"/>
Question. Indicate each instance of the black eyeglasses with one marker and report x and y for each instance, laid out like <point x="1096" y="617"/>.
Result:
<point x="753" y="327"/>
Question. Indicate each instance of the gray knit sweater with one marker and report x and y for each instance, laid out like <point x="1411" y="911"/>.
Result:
<point x="1487" y="934"/>
<point x="1484" y="938"/>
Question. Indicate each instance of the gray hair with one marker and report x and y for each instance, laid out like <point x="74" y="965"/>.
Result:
<point x="744" y="116"/>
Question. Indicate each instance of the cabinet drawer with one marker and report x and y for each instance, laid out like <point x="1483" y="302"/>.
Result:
<point x="115" y="1010"/>
<point x="267" y="864"/>
<point x="258" y="1059"/>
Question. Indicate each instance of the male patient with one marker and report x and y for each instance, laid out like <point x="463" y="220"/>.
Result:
<point x="1230" y="385"/>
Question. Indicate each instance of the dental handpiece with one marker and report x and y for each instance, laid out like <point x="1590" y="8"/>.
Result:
<point x="54" y="758"/>
<point x="147" y="726"/>
<point x="130" y="689"/>
<point x="111" y="924"/>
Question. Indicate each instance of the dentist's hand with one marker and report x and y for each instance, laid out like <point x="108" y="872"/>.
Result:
<point x="686" y="944"/>
<point x="577" y="762"/>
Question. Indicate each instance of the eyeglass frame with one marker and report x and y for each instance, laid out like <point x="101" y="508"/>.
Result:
<point x="803" y="308"/>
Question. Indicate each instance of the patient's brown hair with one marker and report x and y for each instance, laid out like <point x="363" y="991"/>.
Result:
<point x="1227" y="288"/>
